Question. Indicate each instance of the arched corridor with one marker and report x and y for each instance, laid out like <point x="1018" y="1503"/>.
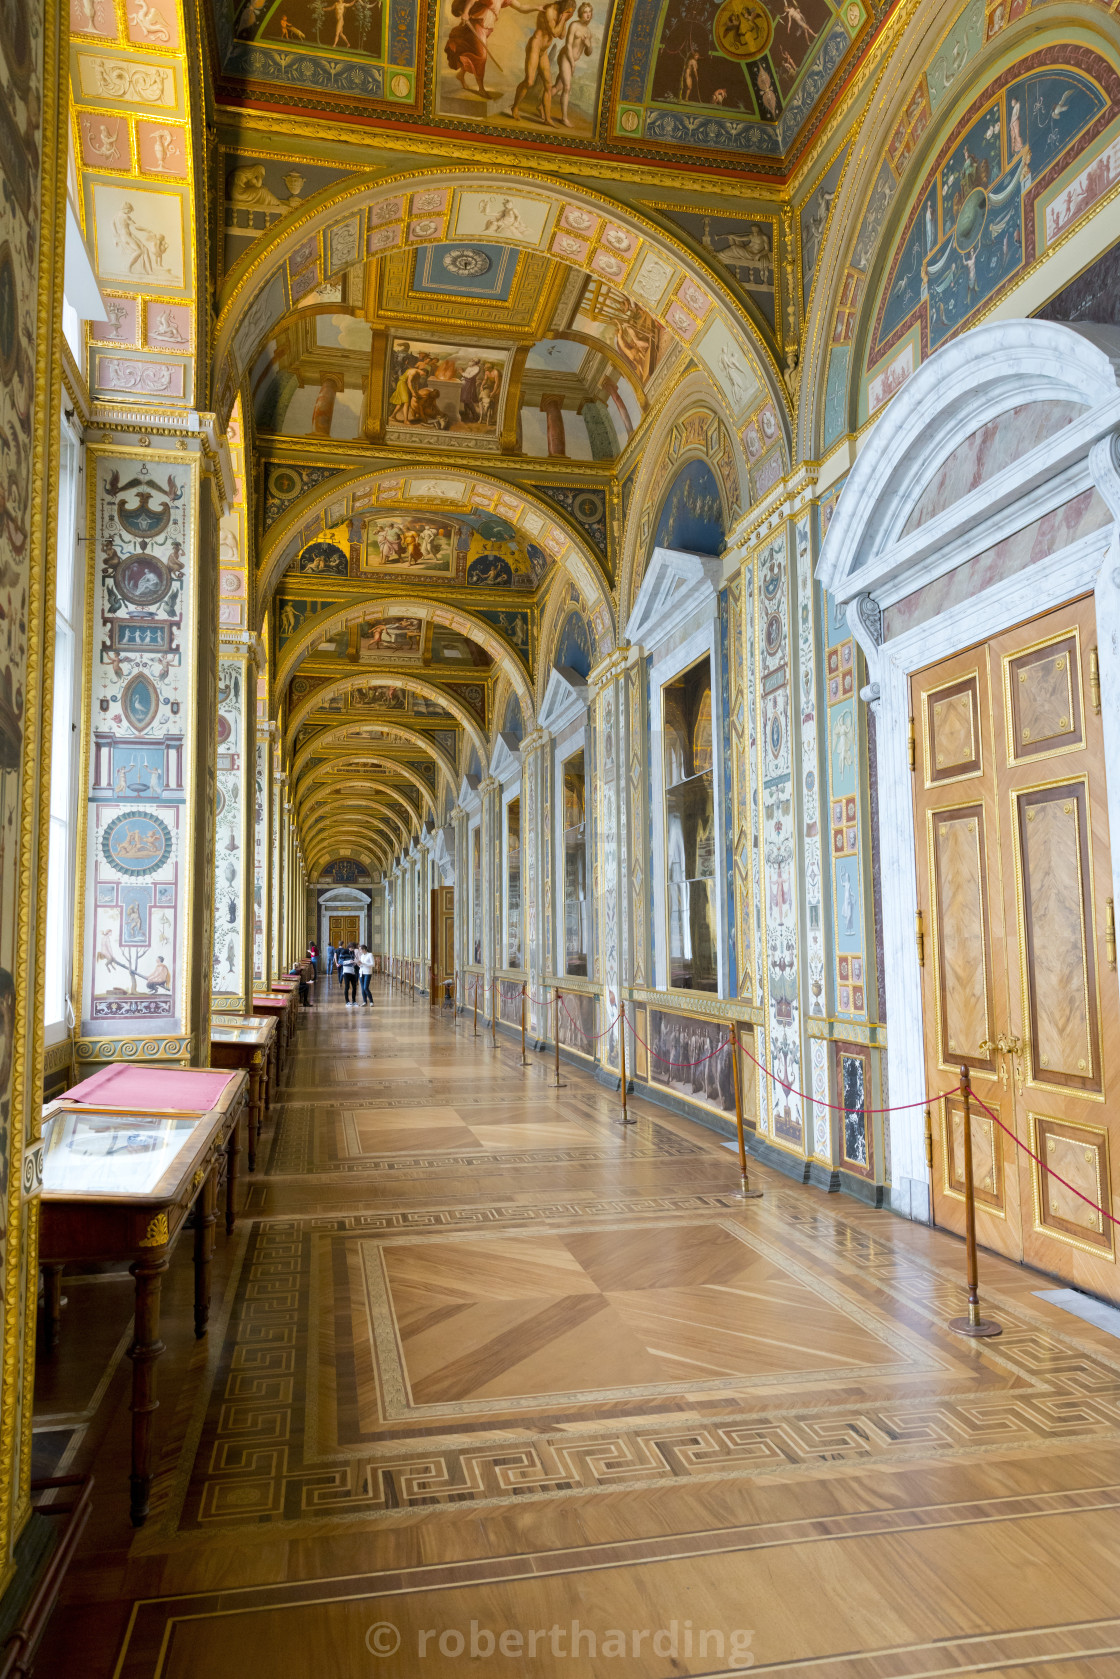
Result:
<point x="485" y="1363"/>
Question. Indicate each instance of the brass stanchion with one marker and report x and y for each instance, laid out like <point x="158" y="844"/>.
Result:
<point x="475" y="979"/>
<point x="748" y="1193"/>
<point x="626" y="1120"/>
<point x="973" y="1324"/>
<point x="524" y="1057"/>
<point x="556" y="1035"/>
<point x="495" y="999"/>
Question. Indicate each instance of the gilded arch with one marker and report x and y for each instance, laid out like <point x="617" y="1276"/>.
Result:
<point x="398" y="679"/>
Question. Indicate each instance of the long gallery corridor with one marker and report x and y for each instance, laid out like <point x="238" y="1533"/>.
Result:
<point x="489" y="1372"/>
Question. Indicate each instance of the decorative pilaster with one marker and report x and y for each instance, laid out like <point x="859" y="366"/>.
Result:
<point x="610" y="840"/>
<point x="279" y="851"/>
<point x="148" y="872"/>
<point x="490" y="792"/>
<point x="535" y="850"/>
<point x="235" y="837"/>
<point x="262" y="858"/>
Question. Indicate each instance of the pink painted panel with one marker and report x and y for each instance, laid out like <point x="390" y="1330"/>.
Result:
<point x="988" y="451"/>
<point x="1049" y="535"/>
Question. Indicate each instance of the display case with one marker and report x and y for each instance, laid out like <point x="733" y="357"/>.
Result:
<point x="576" y="929"/>
<point x="690" y="830"/>
<point x="513" y="883"/>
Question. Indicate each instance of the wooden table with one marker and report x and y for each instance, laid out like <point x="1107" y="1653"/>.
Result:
<point x="246" y="1041"/>
<point x="118" y="1183"/>
<point x="278" y="1005"/>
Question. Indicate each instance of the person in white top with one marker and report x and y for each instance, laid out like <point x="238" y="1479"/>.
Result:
<point x="365" y="972"/>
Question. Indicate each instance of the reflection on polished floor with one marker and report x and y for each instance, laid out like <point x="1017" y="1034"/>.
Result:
<point x="495" y="1385"/>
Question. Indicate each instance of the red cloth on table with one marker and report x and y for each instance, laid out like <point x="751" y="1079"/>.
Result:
<point x="185" y="1089"/>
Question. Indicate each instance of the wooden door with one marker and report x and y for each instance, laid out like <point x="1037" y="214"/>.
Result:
<point x="1019" y="979"/>
<point x="343" y="929"/>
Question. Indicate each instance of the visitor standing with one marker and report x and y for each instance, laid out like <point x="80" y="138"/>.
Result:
<point x="330" y="963"/>
<point x="348" y="967"/>
<point x="365" y="972"/>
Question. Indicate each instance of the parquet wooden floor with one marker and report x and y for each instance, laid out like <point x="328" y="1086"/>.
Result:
<point x="495" y="1385"/>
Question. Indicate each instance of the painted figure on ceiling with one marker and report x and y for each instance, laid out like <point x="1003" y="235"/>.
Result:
<point x="577" y="45"/>
<point x="466" y="48"/>
<point x="552" y="24"/>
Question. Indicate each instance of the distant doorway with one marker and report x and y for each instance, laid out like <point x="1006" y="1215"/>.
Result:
<point x="343" y="929"/>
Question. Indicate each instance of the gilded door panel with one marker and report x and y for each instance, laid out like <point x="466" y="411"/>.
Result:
<point x="962" y="946"/>
<point x="1043" y="697"/>
<point x="1055" y="912"/>
<point x="987" y="1154"/>
<point x="1078" y="1181"/>
<point x="953" y="731"/>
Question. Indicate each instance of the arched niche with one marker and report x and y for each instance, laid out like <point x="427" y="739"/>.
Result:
<point x="988" y="494"/>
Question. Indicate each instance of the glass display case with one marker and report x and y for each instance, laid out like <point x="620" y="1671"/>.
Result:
<point x="576" y="930"/>
<point x="513" y="883"/>
<point x="113" y="1154"/>
<point x="690" y="830"/>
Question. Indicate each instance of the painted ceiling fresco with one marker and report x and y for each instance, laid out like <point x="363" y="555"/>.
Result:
<point x="999" y="192"/>
<point x="464" y="346"/>
<point x="661" y="79"/>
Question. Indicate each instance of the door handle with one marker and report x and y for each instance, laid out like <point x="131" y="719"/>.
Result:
<point x="1012" y="1047"/>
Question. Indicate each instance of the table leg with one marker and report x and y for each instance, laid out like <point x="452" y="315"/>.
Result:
<point x="52" y="1306"/>
<point x="205" y="1219"/>
<point x="145" y="1349"/>
<point x="256" y="1101"/>
<point x="233" y="1149"/>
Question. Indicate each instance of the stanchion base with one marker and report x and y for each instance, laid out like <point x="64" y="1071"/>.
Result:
<point x="985" y="1328"/>
<point x="748" y="1195"/>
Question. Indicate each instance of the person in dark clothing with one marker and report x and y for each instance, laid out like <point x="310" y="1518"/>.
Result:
<point x="348" y="967"/>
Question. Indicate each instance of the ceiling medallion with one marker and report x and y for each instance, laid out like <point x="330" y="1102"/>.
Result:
<point x="743" y="29"/>
<point x="466" y="263"/>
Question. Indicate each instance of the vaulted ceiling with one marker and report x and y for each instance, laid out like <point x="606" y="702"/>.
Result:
<point x="724" y="84"/>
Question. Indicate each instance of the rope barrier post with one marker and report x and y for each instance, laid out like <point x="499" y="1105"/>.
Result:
<point x="474" y="978"/>
<point x="524" y="1057"/>
<point x="626" y="1120"/>
<point x="973" y="1324"/>
<point x="748" y="1193"/>
<point x="494" y="988"/>
<point x="556" y="1037"/>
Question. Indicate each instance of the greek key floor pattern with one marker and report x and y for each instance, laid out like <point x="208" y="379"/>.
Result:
<point x="495" y="1384"/>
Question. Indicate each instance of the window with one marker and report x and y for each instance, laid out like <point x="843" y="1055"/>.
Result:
<point x="575" y="867"/>
<point x="690" y="833"/>
<point x="513" y="883"/>
<point x="67" y="664"/>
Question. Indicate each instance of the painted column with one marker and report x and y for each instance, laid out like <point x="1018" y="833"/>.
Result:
<point x="608" y="712"/>
<point x="459" y="821"/>
<point x="781" y="1112"/>
<point x="637" y="874"/>
<point x="235" y="816"/>
<point x="276" y="898"/>
<point x="490" y="792"/>
<point x="323" y="412"/>
<point x="535" y="844"/>
<point x="262" y="859"/>
<point x="553" y="410"/>
<point x="148" y="871"/>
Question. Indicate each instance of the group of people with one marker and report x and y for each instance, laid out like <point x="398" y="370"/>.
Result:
<point x="353" y="965"/>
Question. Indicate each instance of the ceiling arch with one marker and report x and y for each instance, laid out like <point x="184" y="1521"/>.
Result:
<point x="396" y="606"/>
<point x="331" y="776"/>
<point x="436" y="489"/>
<point x="574" y="226"/>
<point x="397" y="679"/>
<point x="333" y="825"/>
<point x="398" y="731"/>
